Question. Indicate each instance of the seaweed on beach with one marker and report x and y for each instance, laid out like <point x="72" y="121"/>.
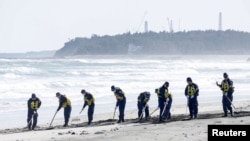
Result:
<point x="152" y="120"/>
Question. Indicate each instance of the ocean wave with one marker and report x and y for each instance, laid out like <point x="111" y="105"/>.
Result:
<point x="134" y="75"/>
<point x="10" y="76"/>
<point x="20" y="70"/>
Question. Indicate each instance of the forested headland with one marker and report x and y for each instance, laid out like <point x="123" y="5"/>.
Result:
<point x="153" y="43"/>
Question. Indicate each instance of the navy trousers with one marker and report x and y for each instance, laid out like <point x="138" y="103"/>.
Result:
<point x="91" y="113"/>
<point x="166" y="113"/>
<point x="140" y="108"/>
<point x="122" y="105"/>
<point x="226" y="103"/>
<point x="193" y="107"/>
<point x="32" y="119"/>
<point x="67" y="112"/>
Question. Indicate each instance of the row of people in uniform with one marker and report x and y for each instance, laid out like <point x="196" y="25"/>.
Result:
<point x="165" y="100"/>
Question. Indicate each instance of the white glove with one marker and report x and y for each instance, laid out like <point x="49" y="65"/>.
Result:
<point x="225" y="94"/>
<point x="192" y="97"/>
<point x="167" y="99"/>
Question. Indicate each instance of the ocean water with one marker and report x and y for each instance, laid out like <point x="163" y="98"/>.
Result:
<point x="133" y="74"/>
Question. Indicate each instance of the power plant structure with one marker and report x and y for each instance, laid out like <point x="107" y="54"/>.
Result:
<point x="170" y="25"/>
<point x="220" y="22"/>
<point x="146" y="26"/>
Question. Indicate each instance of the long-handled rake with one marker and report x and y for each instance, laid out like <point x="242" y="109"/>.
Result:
<point x="143" y="109"/>
<point x="114" y="113"/>
<point x="154" y="111"/>
<point x="164" y="109"/>
<point x="235" y="110"/>
<point x="30" y="120"/>
<point x="50" y="127"/>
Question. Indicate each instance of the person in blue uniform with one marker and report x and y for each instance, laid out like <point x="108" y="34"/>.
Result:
<point x="65" y="103"/>
<point x="90" y="102"/>
<point x="164" y="101"/>
<point x="227" y="89"/>
<point x="192" y="92"/>
<point x="120" y="102"/>
<point x="142" y="104"/>
<point x="34" y="104"/>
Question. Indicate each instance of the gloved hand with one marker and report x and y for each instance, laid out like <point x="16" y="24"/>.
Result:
<point x="225" y="94"/>
<point x="167" y="99"/>
<point x="192" y="97"/>
<point x="217" y="83"/>
<point x="156" y="90"/>
<point x="34" y="112"/>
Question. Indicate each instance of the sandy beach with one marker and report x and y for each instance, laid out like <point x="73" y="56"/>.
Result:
<point x="105" y="128"/>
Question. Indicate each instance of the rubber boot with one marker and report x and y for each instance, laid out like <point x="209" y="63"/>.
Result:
<point x="89" y="122"/>
<point x="231" y="112"/>
<point x="120" y="119"/>
<point x="65" y="125"/>
<point x="225" y="115"/>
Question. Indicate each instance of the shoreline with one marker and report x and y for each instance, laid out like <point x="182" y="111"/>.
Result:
<point x="108" y="130"/>
<point x="205" y="109"/>
<point x="131" y="113"/>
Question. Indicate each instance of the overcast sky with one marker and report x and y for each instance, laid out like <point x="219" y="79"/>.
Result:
<point x="36" y="25"/>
